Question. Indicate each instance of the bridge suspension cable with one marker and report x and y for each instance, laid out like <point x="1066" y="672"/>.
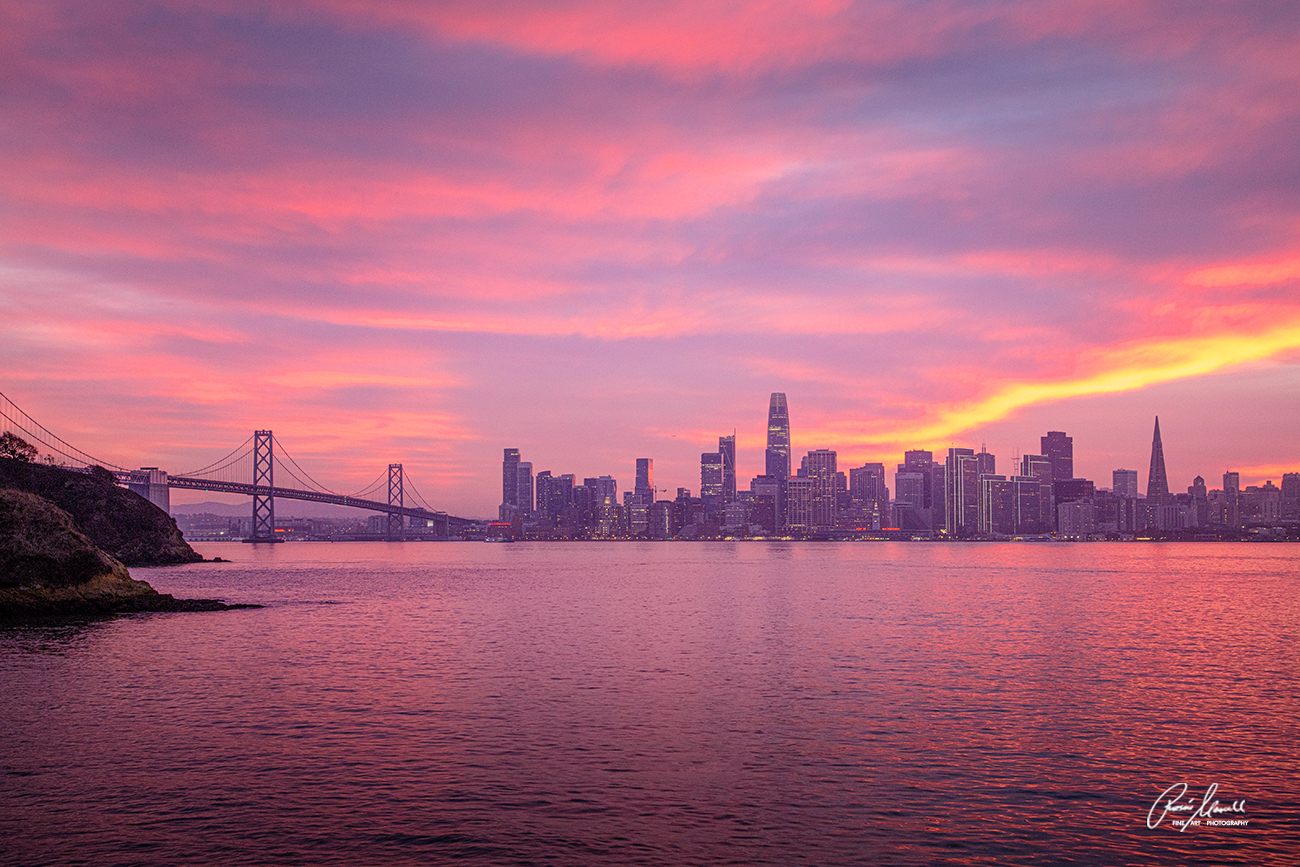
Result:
<point x="222" y="463"/>
<point x="418" y="497"/>
<point x="282" y="454"/>
<point x="20" y="423"/>
<point x="373" y="487"/>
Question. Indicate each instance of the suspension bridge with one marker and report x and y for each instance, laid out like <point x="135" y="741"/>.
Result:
<point x="251" y="469"/>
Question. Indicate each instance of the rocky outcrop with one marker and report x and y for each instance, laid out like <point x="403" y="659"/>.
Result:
<point x="49" y="568"/>
<point x="122" y="523"/>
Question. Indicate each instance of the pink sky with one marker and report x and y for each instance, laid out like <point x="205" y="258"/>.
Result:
<point x="420" y="233"/>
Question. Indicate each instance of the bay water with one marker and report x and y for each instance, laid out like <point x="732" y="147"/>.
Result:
<point x="669" y="704"/>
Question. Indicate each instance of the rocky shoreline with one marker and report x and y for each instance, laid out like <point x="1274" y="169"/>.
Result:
<point x="51" y="568"/>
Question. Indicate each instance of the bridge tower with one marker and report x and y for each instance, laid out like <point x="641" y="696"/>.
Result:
<point x="395" y="498"/>
<point x="263" y="488"/>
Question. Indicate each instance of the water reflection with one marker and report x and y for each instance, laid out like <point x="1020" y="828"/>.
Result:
<point x="668" y="704"/>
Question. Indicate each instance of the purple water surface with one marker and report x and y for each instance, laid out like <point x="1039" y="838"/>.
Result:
<point x="666" y="704"/>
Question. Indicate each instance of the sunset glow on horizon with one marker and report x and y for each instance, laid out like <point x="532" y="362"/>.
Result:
<point x="421" y="233"/>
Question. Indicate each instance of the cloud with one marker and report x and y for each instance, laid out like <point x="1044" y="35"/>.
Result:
<point x="920" y="218"/>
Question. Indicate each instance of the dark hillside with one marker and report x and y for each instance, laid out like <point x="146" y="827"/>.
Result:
<point x="120" y="522"/>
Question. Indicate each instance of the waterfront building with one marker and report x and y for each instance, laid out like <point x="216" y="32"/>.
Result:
<point x="766" y="491"/>
<point x="961" y="492"/>
<point x="1040" y="467"/>
<point x="542" y="492"/>
<point x="1026" y="505"/>
<point x="819" y="466"/>
<point x="869" y="493"/>
<point x="799" y="505"/>
<point x="995" y="506"/>
<point x="1077" y="519"/>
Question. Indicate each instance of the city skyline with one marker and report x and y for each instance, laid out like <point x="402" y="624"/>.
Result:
<point x="958" y="496"/>
<point x="420" y="234"/>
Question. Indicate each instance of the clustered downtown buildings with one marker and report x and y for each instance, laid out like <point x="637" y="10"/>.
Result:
<point x="961" y="496"/>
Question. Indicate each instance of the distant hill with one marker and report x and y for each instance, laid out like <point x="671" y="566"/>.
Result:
<point x="283" y="509"/>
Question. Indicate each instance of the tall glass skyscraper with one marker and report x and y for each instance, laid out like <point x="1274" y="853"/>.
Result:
<point x="778" y="437"/>
<point x="727" y="448"/>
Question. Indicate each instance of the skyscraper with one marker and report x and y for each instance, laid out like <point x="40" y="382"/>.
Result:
<point x="727" y="448"/>
<point x="820" y="466"/>
<point x="508" y="478"/>
<point x="1040" y="467"/>
<point x="1125" y="483"/>
<point x="961" y="492"/>
<point x="644" y="489"/>
<point x="1059" y="451"/>
<point x="1157" y="481"/>
<point x="524" y="488"/>
<point x="778" y="437"/>
<point x="711" y="482"/>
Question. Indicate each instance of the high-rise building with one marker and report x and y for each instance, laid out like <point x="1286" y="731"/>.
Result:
<point x="996" y="507"/>
<point x="778" y="437"/>
<point x="868" y="492"/>
<point x="1059" y="451"/>
<point x="727" y="448"/>
<point x="915" y="491"/>
<point x="1291" y="495"/>
<point x="542" y="490"/>
<point x="799" y="505"/>
<point x="819" y="465"/>
<point x="644" y="489"/>
<point x="1027" y="505"/>
<point x="1200" y="502"/>
<point x="961" y="492"/>
<point x="509" y="484"/>
<point x="524" y="488"/>
<point x="1157" y="481"/>
<point x="1040" y="467"/>
<point x="711" y="482"/>
<point x="1124" y="483"/>
<point x="1231" y="499"/>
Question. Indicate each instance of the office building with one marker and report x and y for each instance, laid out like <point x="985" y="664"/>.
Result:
<point x="509" y="484"/>
<point x="996" y="507"/>
<point x="1125" y="483"/>
<point x="711" y="483"/>
<point x="1040" y="467"/>
<point x="819" y="466"/>
<point x="727" y="448"/>
<point x="961" y="492"/>
<point x="799" y="505"/>
<point x="644" y="489"/>
<point x="778" y="437"/>
<point x="1059" y="451"/>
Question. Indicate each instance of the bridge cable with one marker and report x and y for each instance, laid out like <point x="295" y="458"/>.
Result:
<point x="409" y="482"/>
<point x="285" y="453"/>
<point x="44" y="435"/>
<point x="214" y="468"/>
